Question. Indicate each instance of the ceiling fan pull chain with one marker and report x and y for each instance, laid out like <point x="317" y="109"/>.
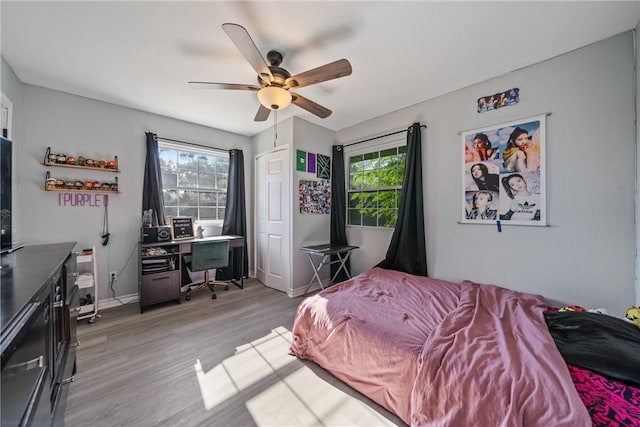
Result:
<point x="275" y="127"/>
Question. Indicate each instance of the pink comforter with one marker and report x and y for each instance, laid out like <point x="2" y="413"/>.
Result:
<point x="438" y="353"/>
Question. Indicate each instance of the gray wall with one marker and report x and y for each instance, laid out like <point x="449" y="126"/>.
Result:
<point x="83" y="126"/>
<point x="308" y="229"/>
<point x="587" y="254"/>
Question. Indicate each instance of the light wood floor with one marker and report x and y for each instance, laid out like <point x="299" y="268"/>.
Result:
<point x="207" y="362"/>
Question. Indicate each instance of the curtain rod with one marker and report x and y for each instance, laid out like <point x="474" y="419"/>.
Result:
<point x="191" y="143"/>
<point x="381" y="136"/>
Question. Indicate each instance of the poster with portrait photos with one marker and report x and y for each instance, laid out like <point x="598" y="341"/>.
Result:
<point x="503" y="173"/>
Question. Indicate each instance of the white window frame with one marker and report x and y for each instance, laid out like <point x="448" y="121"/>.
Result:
<point x="196" y="150"/>
<point x="394" y="141"/>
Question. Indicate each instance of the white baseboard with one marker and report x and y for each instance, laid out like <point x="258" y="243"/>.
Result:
<point x="112" y="302"/>
<point x="297" y="292"/>
<point x="126" y="299"/>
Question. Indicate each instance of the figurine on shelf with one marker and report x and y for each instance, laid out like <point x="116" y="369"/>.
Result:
<point x="51" y="184"/>
<point x="147" y="217"/>
<point x="82" y="161"/>
<point x="61" y="158"/>
<point x="91" y="163"/>
<point x="71" y="160"/>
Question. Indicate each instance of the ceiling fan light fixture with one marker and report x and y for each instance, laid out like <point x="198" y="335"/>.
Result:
<point x="274" y="98"/>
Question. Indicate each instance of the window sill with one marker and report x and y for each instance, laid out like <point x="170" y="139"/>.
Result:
<point x="369" y="227"/>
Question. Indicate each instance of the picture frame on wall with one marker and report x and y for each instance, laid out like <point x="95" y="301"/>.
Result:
<point x="504" y="173"/>
<point x="324" y="166"/>
<point x="301" y="160"/>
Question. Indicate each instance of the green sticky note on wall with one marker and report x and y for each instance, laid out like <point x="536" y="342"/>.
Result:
<point x="301" y="160"/>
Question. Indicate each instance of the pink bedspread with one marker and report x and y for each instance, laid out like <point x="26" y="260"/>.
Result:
<point x="437" y="353"/>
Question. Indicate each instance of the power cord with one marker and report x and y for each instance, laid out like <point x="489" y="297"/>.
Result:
<point x="105" y="227"/>
<point x="111" y="280"/>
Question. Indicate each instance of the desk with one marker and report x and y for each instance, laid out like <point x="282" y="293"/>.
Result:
<point x="160" y="272"/>
<point x="325" y="251"/>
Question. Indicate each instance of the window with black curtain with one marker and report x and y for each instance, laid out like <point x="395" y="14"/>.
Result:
<point x="194" y="182"/>
<point x="375" y="185"/>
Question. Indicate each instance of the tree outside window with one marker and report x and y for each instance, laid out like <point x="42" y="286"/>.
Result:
<point x="375" y="187"/>
<point x="194" y="182"/>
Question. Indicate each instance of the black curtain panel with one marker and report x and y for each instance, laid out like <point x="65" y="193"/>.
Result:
<point x="407" y="250"/>
<point x="235" y="217"/>
<point x="338" y="209"/>
<point x="152" y="187"/>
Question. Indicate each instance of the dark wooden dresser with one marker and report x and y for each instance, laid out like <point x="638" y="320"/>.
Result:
<point x="38" y="315"/>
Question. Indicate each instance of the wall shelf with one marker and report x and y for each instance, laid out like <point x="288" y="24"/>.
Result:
<point x="73" y="190"/>
<point x="69" y="186"/>
<point x="91" y="168"/>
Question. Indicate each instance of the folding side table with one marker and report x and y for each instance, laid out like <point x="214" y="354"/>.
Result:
<point x="325" y="251"/>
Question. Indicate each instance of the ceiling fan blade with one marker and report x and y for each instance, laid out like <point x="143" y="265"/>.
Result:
<point x="333" y="70"/>
<point x="310" y="106"/>
<point x="262" y="114"/>
<point x="241" y="38"/>
<point x="213" y="85"/>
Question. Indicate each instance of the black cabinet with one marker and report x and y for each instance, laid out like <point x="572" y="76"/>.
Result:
<point x="39" y="304"/>
<point x="25" y="370"/>
<point x="159" y="274"/>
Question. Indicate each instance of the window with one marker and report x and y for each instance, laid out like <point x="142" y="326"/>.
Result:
<point x="375" y="187"/>
<point x="194" y="182"/>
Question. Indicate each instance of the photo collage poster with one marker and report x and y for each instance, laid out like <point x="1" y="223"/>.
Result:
<point x="315" y="196"/>
<point x="503" y="173"/>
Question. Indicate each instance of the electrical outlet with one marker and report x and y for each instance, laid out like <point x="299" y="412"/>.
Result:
<point x="113" y="276"/>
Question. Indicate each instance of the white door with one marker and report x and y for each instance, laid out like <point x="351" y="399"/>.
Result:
<point x="272" y="218"/>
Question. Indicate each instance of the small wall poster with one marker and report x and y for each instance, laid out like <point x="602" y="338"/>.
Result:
<point x="503" y="173"/>
<point x="323" y="166"/>
<point x="301" y="160"/>
<point x="311" y="163"/>
<point x="315" y="197"/>
<point x="499" y="100"/>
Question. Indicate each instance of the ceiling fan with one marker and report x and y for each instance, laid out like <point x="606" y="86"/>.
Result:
<point x="275" y="83"/>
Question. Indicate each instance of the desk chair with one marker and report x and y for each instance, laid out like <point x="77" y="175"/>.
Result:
<point x="205" y="256"/>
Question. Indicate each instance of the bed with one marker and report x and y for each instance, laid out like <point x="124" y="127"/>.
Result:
<point x="438" y="353"/>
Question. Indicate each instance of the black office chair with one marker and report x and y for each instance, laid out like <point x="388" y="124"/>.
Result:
<point x="205" y="256"/>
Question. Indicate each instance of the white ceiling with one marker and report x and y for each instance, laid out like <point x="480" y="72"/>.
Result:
<point x="141" y="54"/>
